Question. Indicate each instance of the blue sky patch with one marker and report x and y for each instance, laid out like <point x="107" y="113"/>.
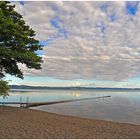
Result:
<point x="132" y="7"/>
<point x="104" y="7"/>
<point x="55" y="22"/>
<point x="101" y="27"/>
<point x="39" y="52"/>
<point x="22" y="2"/>
<point x="113" y="17"/>
<point x="44" y="43"/>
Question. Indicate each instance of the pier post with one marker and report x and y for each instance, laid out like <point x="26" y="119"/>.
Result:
<point x="20" y="101"/>
<point x="27" y="101"/>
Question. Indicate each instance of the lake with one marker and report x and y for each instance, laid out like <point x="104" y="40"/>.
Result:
<point x="122" y="106"/>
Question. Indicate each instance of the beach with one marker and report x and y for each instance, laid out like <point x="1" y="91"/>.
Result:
<point x="22" y="123"/>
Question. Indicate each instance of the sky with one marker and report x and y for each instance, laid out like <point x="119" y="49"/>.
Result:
<point x="84" y="43"/>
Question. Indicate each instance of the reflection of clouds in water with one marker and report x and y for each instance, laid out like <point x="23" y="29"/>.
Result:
<point x="76" y="94"/>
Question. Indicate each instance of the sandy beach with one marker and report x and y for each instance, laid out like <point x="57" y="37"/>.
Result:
<point x="19" y="123"/>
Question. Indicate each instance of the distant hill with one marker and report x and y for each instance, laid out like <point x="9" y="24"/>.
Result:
<point x="68" y="88"/>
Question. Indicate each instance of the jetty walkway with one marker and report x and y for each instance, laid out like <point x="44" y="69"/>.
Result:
<point x="33" y="104"/>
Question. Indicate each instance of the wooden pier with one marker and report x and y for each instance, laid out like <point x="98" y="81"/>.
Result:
<point x="33" y="104"/>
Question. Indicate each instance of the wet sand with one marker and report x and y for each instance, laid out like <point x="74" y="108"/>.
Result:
<point x="20" y="123"/>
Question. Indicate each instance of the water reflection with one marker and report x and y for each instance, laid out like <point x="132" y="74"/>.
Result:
<point x="123" y="106"/>
<point x="76" y="94"/>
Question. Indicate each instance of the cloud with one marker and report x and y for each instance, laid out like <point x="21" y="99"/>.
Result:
<point x="86" y="40"/>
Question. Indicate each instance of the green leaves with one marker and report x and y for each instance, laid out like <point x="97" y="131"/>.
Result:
<point x="4" y="88"/>
<point x="17" y="44"/>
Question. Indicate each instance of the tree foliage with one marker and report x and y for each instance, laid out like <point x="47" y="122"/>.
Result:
<point x="4" y="88"/>
<point x="17" y="43"/>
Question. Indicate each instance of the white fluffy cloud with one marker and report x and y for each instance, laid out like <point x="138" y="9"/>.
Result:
<point x="90" y="40"/>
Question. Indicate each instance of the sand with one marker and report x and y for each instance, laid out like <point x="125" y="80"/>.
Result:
<point x="21" y="123"/>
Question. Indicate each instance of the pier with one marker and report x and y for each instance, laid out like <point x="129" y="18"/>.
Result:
<point x="33" y="104"/>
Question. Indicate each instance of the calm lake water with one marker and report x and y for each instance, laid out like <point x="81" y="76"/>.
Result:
<point x="122" y="106"/>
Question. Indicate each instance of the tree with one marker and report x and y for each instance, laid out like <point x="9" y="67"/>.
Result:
<point x="17" y="43"/>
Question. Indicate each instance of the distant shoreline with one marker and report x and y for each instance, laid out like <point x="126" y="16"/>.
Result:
<point x="19" y="123"/>
<point x="15" y="87"/>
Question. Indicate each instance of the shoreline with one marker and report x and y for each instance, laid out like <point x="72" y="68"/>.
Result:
<point x="19" y="123"/>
